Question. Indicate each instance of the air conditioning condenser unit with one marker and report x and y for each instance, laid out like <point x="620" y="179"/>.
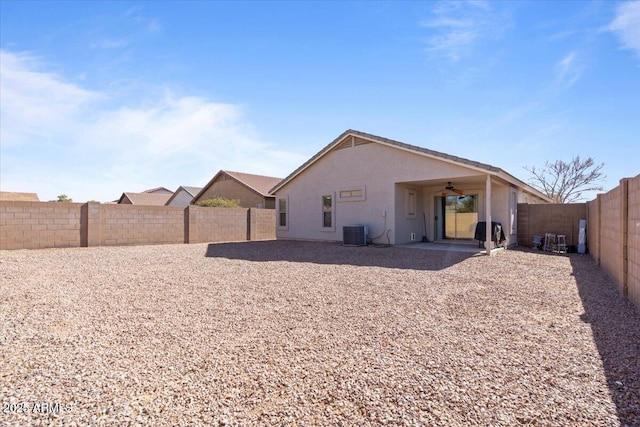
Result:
<point x="354" y="235"/>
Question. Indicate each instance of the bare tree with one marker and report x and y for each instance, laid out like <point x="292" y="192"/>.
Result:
<point x="564" y="182"/>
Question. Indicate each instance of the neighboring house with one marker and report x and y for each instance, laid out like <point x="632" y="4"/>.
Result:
<point x="159" y="190"/>
<point x="146" y="199"/>
<point x="10" y="196"/>
<point x="251" y="190"/>
<point x="183" y="196"/>
<point x="400" y="192"/>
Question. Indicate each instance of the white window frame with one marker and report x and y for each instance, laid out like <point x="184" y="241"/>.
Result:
<point x="333" y="211"/>
<point x="411" y="203"/>
<point x="287" y="212"/>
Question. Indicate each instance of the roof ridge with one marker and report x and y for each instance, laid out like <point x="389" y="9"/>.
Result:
<point x="247" y="173"/>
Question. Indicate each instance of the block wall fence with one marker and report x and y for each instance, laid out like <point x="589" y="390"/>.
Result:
<point x="613" y="231"/>
<point x="613" y="235"/>
<point x="35" y="225"/>
<point x="539" y="219"/>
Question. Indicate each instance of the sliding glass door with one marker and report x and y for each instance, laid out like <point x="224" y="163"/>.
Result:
<point x="460" y="216"/>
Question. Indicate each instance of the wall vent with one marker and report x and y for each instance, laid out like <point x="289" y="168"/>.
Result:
<point x="354" y="235"/>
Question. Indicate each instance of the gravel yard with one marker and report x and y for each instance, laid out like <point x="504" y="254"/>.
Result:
<point x="300" y="333"/>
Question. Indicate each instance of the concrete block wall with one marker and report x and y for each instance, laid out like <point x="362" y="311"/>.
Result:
<point x="122" y="225"/>
<point x="550" y="218"/>
<point x="611" y="234"/>
<point x="218" y="224"/>
<point x="593" y="229"/>
<point x="261" y="224"/>
<point x="614" y="235"/>
<point x="633" y="241"/>
<point x="35" y="225"/>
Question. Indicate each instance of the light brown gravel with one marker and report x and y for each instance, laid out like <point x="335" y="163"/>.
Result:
<point x="300" y="333"/>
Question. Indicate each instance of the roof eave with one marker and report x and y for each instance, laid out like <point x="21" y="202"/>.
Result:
<point x="477" y="166"/>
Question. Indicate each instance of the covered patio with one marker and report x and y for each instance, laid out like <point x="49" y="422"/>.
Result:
<point x="449" y="209"/>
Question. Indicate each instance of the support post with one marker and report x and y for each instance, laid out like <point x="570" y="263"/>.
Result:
<point x="488" y="230"/>
<point x="90" y="224"/>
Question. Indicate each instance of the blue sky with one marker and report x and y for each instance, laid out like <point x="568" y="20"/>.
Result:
<point x="98" y="98"/>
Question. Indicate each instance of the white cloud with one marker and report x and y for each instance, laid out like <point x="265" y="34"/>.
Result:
<point x="36" y="104"/>
<point x="459" y="26"/>
<point x="568" y="70"/>
<point x="58" y="137"/>
<point x="626" y="25"/>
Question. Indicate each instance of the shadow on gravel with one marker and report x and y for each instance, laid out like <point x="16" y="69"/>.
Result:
<point x="336" y="254"/>
<point x="615" y="324"/>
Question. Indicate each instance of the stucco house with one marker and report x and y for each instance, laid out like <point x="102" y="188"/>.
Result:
<point x="252" y="190"/>
<point x="183" y="196"/>
<point x="400" y="192"/>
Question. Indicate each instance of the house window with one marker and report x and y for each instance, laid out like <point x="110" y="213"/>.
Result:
<point x="411" y="203"/>
<point x="353" y="194"/>
<point x="349" y="194"/>
<point x="282" y="212"/>
<point x="327" y="211"/>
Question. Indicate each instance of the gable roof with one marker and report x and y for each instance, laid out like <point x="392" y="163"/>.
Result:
<point x="259" y="184"/>
<point x="357" y="138"/>
<point x="18" y="197"/>
<point x="147" y="199"/>
<point x="192" y="191"/>
<point x="158" y="190"/>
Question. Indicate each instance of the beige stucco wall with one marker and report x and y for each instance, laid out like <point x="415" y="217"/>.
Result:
<point x="384" y="171"/>
<point x="230" y="189"/>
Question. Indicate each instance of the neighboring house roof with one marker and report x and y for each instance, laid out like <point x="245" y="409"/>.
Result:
<point x="192" y="191"/>
<point x="355" y="136"/>
<point x="158" y="190"/>
<point x="259" y="184"/>
<point x="148" y="199"/>
<point x="18" y="197"/>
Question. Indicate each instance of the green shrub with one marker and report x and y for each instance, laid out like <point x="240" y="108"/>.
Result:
<point x="219" y="202"/>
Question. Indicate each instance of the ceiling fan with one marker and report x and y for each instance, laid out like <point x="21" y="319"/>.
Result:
<point x="450" y="187"/>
